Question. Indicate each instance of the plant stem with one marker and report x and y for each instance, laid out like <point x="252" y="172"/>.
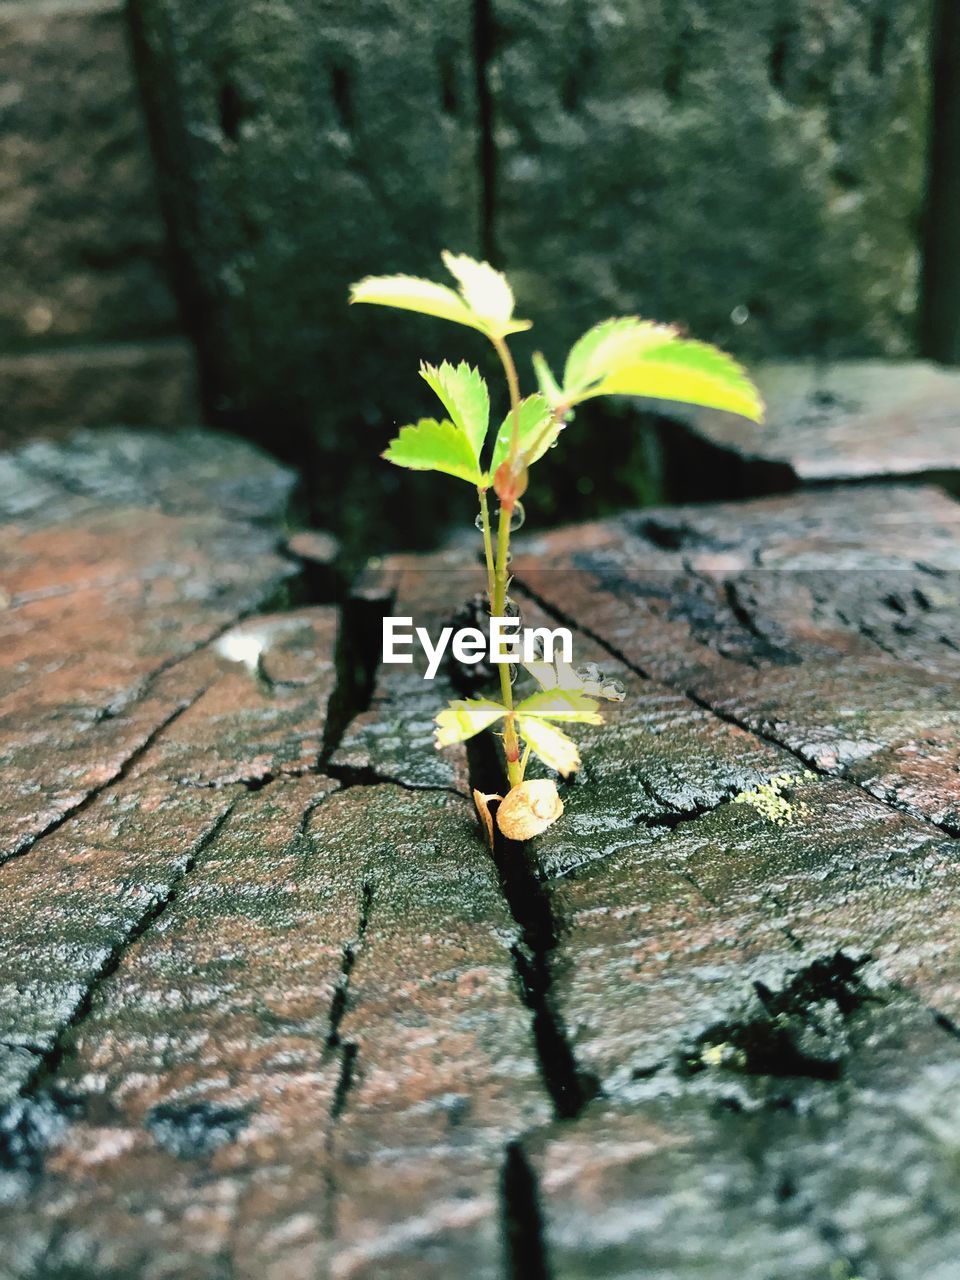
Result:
<point x="511" y="743"/>
<point x="510" y="369"/>
<point x="487" y="546"/>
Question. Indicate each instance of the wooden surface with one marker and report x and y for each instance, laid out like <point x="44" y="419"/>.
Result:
<point x="268" y="1006"/>
<point x="827" y="422"/>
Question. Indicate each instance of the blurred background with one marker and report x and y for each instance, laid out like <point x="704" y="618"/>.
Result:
<point x="186" y="190"/>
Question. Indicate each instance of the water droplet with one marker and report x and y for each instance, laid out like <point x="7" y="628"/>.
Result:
<point x="740" y="315"/>
<point x="589" y="673"/>
<point x="517" y="517"/>
<point x="478" y="522"/>
<point x="510" y="608"/>
<point x="554" y="443"/>
<point x="613" y="691"/>
<point x="514" y="672"/>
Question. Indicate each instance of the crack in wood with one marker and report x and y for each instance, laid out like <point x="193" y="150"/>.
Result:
<point x="42" y="1078"/>
<point x="945" y="1023"/>
<point x="122" y="771"/>
<point x="348" y="1052"/>
<point x="524" y="1235"/>
<point x="364" y="776"/>
<point x="357" y="660"/>
<point x="338" y="1005"/>
<point x="528" y="899"/>
<point x="728" y="717"/>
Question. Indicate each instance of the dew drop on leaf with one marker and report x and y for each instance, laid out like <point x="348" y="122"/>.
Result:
<point x="517" y="517"/>
<point x="478" y="522"/>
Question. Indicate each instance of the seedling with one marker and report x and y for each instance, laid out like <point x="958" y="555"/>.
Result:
<point x="623" y="356"/>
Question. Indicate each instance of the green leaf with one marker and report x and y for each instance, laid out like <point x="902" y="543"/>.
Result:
<point x="409" y="293"/>
<point x="630" y="356"/>
<point x="464" y="396"/>
<point x="547" y="383"/>
<point x="484" y="301"/>
<point x="561" y="704"/>
<point x="552" y="745"/>
<point x="692" y="372"/>
<point x="486" y="292"/>
<point x="607" y="347"/>
<point x="464" y="717"/>
<point x="554" y="675"/>
<point x="535" y="415"/>
<point x="435" y="446"/>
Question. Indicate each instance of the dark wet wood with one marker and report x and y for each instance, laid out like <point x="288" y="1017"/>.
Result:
<point x="849" y="421"/>
<point x="268" y="1006"/>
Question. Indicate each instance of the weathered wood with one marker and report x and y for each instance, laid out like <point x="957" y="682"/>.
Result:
<point x="702" y="163"/>
<point x="86" y="259"/>
<point x="252" y="1019"/>
<point x="285" y="177"/>
<point x="322" y="1028"/>
<point x="871" y="420"/>
<point x="268" y="1006"/>
<point x="847" y="655"/>
<point x="719" y="973"/>
<point x="145" y="384"/>
<point x="104" y="591"/>
<point x="393" y="740"/>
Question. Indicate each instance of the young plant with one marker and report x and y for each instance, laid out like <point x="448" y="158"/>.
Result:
<point x="621" y="356"/>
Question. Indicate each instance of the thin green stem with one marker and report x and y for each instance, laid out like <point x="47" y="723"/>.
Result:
<point x="511" y="742"/>
<point x="487" y="546"/>
<point x="510" y="369"/>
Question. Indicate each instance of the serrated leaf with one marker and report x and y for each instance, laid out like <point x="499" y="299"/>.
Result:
<point x="465" y="717"/>
<point x="410" y="293"/>
<point x="691" y="372"/>
<point x="545" y="673"/>
<point x="554" y="675"/>
<point x="552" y="745"/>
<point x="549" y="388"/>
<point x="429" y="445"/>
<point x="607" y="347"/>
<point x="484" y="301"/>
<point x="561" y="704"/>
<point x="535" y="415"/>
<point x="464" y="396"/>
<point x="486" y="292"/>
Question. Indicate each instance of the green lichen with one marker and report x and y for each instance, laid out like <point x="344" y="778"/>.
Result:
<point x="723" y="1055"/>
<point x="773" y="799"/>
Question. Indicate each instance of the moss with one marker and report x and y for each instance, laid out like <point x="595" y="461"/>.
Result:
<point x="773" y="799"/>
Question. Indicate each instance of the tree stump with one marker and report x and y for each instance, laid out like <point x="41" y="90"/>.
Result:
<point x="826" y="423"/>
<point x="269" y="1007"/>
